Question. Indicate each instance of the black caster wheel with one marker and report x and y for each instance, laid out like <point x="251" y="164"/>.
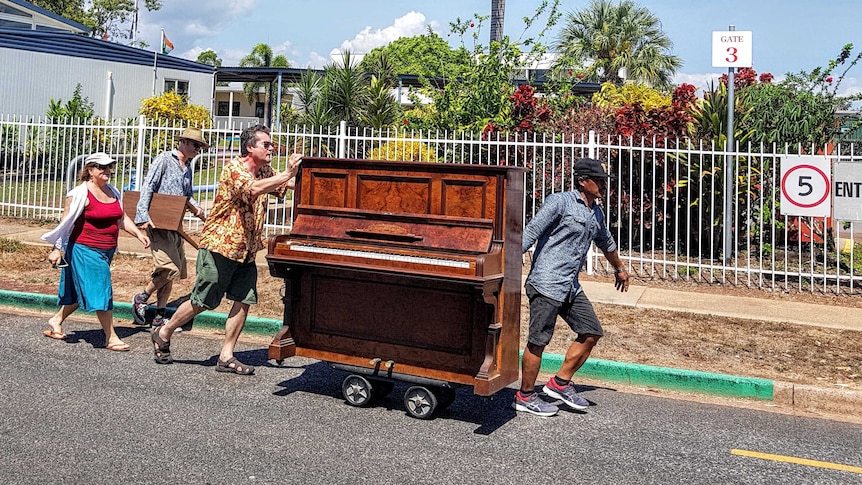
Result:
<point x="420" y="402"/>
<point x="381" y="388"/>
<point x="445" y="396"/>
<point x="357" y="391"/>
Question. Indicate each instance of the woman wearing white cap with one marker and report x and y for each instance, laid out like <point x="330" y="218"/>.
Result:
<point x="84" y="244"/>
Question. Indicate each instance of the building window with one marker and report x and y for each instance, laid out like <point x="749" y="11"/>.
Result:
<point x="180" y="87"/>
<point x="221" y="110"/>
<point x="258" y="109"/>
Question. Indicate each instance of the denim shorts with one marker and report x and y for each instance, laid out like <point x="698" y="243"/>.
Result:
<point x="218" y="276"/>
<point x="577" y="313"/>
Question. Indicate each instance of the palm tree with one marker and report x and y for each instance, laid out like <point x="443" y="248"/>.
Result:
<point x="622" y="37"/>
<point x="346" y="89"/>
<point x="261" y="56"/>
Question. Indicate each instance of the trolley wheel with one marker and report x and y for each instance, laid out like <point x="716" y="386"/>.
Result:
<point x="420" y="402"/>
<point x="356" y="390"/>
<point x="445" y="396"/>
<point x="381" y="388"/>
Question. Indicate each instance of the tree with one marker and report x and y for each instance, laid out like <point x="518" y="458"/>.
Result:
<point x="615" y="38"/>
<point x="105" y="18"/>
<point x="262" y="56"/>
<point x="209" y="57"/>
<point x="426" y="56"/>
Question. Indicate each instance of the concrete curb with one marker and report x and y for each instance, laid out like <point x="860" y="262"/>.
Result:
<point x="634" y="374"/>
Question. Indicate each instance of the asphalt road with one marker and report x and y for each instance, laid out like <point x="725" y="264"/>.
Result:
<point x="72" y="412"/>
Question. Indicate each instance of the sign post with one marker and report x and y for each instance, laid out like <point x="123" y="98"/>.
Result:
<point x="730" y="49"/>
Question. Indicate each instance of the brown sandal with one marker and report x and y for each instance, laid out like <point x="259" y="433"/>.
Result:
<point x="161" y="348"/>
<point x="238" y="367"/>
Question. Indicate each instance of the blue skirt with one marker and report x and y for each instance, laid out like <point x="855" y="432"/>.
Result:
<point x="87" y="279"/>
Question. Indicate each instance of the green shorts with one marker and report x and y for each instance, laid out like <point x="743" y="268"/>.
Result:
<point x="218" y="276"/>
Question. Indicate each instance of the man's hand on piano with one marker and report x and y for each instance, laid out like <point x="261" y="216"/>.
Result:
<point x="293" y="164"/>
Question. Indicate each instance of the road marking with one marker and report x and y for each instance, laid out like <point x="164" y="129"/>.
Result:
<point x="798" y="461"/>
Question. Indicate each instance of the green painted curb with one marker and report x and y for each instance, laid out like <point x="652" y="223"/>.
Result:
<point x="264" y="326"/>
<point x="605" y="370"/>
<point x="668" y="378"/>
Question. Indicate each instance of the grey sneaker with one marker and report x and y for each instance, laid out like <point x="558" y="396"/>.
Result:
<point x="139" y="309"/>
<point x="566" y="394"/>
<point x="534" y="404"/>
<point x="160" y="320"/>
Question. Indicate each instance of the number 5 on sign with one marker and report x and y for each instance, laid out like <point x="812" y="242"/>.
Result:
<point x="731" y="48"/>
<point x="806" y="183"/>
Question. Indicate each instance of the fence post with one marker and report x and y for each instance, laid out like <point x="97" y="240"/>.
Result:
<point x="139" y="166"/>
<point x="591" y="145"/>
<point x="342" y="138"/>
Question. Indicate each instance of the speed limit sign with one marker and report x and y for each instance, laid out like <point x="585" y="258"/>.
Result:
<point x="805" y="186"/>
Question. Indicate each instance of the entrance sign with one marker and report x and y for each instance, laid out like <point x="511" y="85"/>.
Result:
<point x="731" y="48"/>
<point x="847" y="193"/>
<point x="805" y="186"/>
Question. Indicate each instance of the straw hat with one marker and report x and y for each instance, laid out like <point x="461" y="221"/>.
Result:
<point x="99" y="158"/>
<point x="194" y="134"/>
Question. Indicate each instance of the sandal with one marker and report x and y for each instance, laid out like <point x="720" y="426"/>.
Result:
<point x="238" y="367"/>
<point x="118" y="347"/>
<point x="161" y="348"/>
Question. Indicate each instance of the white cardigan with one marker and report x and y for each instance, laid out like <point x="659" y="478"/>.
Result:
<point x="59" y="236"/>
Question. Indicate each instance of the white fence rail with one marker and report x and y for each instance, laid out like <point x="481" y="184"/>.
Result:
<point x="665" y="204"/>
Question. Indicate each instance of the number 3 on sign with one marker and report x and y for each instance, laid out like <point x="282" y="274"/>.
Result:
<point x="806" y="184"/>
<point x="732" y="56"/>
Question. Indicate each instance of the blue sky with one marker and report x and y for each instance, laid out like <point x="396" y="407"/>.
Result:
<point x="787" y="35"/>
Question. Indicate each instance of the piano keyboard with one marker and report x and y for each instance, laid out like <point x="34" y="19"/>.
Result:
<point x="452" y="263"/>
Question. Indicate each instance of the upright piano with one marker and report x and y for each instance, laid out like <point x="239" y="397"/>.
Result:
<point x="404" y="267"/>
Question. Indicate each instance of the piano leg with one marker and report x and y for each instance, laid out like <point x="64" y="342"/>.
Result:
<point x="283" y="345"/>
<point x="490" y="366"/>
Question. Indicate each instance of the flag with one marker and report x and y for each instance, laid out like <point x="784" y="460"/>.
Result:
<point x="167" y="46"/>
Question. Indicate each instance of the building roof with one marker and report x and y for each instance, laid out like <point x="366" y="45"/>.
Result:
<point x="74" y="45"/>
<point x="46" y="18"/>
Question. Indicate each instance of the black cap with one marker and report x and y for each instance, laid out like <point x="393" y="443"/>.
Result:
<point x="588" y="167"/>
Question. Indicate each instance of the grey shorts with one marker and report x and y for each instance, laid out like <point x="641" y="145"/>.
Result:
<point x="218" y="275"/>
<point x="577" y="313"/>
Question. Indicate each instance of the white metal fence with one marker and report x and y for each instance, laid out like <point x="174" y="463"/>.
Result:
<point x="665" y="204"/>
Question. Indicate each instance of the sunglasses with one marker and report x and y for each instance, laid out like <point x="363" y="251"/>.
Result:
<point x="267" y="144"/>
<point x="105" y="167"/>
<point x="197" y="145"/>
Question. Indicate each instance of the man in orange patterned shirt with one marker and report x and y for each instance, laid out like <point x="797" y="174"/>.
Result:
<point x="231" y="238"/>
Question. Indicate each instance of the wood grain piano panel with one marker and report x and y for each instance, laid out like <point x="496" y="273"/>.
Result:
<point x="327" y="189"/>
<point x="467" y="198"/>
<point x="396" y="194"/>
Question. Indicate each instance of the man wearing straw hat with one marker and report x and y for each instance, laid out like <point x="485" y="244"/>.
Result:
<point x="170" y="173"/>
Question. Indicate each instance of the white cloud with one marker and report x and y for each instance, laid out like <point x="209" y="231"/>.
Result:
<point x="409" y="25"/>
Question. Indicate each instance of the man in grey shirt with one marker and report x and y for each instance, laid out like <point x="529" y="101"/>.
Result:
<point x="563" y="230"/>
<point x="170" y="173"/>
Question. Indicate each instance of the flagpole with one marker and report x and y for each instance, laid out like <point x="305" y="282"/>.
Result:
<point x="156" y="59"/>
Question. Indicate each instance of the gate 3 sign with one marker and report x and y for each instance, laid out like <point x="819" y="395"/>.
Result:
<point x="847" y="193"/>
<point x="805" y="186"/>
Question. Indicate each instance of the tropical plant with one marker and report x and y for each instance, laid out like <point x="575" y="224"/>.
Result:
<point x="345" y="90"/>
<point x="382" y="109"/>
<point x="611" y="38"/>
<point x="426" y="56"/>
<point x="261" y="56"/>
<point x="403" y="148"/>
<point x="172" y="110"/>
<point x="77" y="107"/>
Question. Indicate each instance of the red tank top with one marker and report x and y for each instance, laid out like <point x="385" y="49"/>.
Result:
<point x="100" y="225"/>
